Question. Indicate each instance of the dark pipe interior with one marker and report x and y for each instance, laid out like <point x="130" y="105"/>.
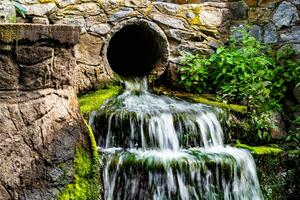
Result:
<point x="133" y="51"/>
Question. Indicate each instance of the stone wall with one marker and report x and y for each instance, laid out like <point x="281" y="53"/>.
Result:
<point x="40" y="124"/>
<point x="274" y="22"/>
<point x="196" y="28"/>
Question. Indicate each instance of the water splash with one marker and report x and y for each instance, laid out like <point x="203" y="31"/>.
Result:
<point x="157" y="147"/>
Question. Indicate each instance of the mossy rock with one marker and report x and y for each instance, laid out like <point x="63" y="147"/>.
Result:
<point x="201" y="99"/>
<point x="93" y="101"/>
<point x="86" y="183"/>
<point x="260" y="149"/>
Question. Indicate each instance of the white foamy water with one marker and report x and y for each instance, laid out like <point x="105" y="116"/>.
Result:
<point x="161" y="148"/>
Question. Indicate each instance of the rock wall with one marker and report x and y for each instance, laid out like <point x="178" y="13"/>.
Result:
<point x="274" y="22"/>
<point x="196" y="28"/>
<point x="40" y="125"/>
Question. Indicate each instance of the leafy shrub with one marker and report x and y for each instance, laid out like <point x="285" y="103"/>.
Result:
<point x="244" y="72"/>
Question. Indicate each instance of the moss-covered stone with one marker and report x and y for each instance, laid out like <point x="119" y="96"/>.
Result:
<point x="94" y="100"/>
<point x="87" y="182"/>
<point x="201" y="99"/>
<point x="260" y="149"/>
<point x="9" y="34"/>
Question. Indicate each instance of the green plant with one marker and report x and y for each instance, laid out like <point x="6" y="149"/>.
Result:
<point x="244" y="72"/>
<point x="19" y="8"/>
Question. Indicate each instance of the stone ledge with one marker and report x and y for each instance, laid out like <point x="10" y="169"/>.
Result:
<point x="63" y="34"/>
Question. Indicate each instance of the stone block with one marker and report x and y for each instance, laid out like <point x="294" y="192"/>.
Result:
<point x="34" y="32"/>
<point x="259" y="15"/>
<point x="9" y="73"/>
<point x="30" y="55"/>
<point x="286" y="15"/>
<point x="292" y="35"/>
<point x="40" y="9"/>
<point x="238" y="10"/>
<point x="88" y="50"/>
<point x="270" y="35"/>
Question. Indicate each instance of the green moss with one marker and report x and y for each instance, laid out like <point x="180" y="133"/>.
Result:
<point x="86" y="184"/>
<point x="200" y="99"/>
<point x="9" y="33"/>
<point x="94" y="100"/>
<point x="233" y="107"/>
<point x="260" y="149"/>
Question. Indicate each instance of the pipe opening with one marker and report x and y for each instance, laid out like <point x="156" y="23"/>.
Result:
<point x="135" y="50"/>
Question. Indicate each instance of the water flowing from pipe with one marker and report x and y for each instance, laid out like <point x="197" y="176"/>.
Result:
<point x="161" y="148"/>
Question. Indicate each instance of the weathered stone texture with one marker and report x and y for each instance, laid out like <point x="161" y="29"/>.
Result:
<point x="7" y="12"/>
<point x="40" y="124"/>
<point x="286" y="15"/>
<point x="186" y="24"/>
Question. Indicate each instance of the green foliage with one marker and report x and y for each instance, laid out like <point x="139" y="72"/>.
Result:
<point x="260" y="149"/>
<point x="94" y="100"/>
<point x="244" y="72"/>
<point x="86" y="183"/>
<point x="19" y="8"/>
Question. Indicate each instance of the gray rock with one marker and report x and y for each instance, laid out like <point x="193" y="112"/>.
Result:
<point x="190" y="49"/>
<point x="167" y="8"/>
<point x="169" y="21"/>
<point x="286" y="15"/>
<point x="55" y="174"/>
<point x="7" y="12"/>
<point x="100" y="29"/>
<point x="256" y="32"/>
<point x="75" y="21"/>
<point x="278" y="131"/>
<point x="270" y="35"/>
<point x="238" y="10"/>
<point x="296" y="47"/>
<point x="120" y="14"/>
<point x="40" y="9"/>
<point x="292" y="36"/>
<point x="295" y="2"/>
<point x="40" y="20"/>
<point x="181" y="35"/>
<point x="236" y="31"/>
<point x="297" y="92"/>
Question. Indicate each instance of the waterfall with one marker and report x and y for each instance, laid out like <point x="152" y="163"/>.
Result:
<point x="161" y="148"/>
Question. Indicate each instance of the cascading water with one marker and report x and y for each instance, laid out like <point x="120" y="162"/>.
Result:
<point x="160" y="148"/>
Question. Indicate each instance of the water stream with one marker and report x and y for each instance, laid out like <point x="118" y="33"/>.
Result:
<point x="161" y="148"/>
